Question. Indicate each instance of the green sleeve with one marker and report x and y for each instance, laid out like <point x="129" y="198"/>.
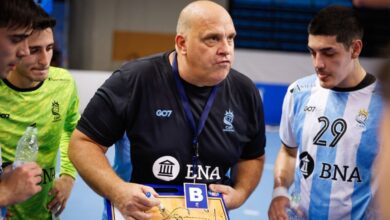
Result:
<point x="71" y="120"/>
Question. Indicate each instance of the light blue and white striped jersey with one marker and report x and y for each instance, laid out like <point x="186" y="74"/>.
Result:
<point x="336" y="136"/>
<point x="122" y="164"/>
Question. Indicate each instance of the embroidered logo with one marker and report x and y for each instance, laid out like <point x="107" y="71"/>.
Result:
<point x="166" y="168"/>
<point x="55" y="110"/>
<point x="228" y="121"/>
<point x="362" y="117"/>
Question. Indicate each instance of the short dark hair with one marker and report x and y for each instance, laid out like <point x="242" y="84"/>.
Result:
<point x="43" y="20"/>
<point x="339" y="21"/>
<point x="17" y="13"/>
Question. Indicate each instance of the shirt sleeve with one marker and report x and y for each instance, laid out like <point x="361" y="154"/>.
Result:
<point x="72" y="117"/>
<point x="104" y="119"/>
<point x="287" y="118"/>
<point x="256" y="147"/>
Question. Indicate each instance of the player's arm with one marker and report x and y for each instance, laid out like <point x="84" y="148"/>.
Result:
<point x="245" y="175"/>
<point x="90" y="161"/>
<point x="283" y="177"/>
<point x="72" y="117"/>
<point x="63" y="185"/>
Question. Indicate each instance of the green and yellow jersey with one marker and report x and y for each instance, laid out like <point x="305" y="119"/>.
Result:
<point x="53" y="107"/>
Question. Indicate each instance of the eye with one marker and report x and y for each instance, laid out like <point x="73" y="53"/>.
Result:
<point x="50" y="47"/>
<point x="211" y="40"/>
<point x="329" y="53"/>
<point x="34" y="50"/>
<point x="17" y="39"/>
<point x="231" y="38"/>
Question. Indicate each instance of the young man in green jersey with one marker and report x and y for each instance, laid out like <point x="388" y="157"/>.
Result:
<point x="37" y="93"/>
<point x="16" y="23"/>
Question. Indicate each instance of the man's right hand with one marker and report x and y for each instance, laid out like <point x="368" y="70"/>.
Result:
<point x="19" y="184"/>
<point x="132" y="202"/>
<point x="277" y="208"/>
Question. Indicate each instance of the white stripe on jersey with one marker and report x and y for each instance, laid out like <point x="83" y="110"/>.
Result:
<point x="341" y="203"/>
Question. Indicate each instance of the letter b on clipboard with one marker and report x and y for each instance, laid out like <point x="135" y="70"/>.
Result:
<point x="196" y="196"/>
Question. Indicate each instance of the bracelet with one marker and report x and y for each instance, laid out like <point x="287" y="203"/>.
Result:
<point x="280" y="191"/>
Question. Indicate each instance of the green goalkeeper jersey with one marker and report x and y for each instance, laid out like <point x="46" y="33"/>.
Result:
<point x="53" y="107"/>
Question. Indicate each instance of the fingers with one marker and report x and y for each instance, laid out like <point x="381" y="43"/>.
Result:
<point x="54" y="204"/>
<point x="277" y="210"/>
<point x="150" y="202"/>
<point x="135" y="204"/>
<point x="31" y="172"/>
<point x="224" y="189"/>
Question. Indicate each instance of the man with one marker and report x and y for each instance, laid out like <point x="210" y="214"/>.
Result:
<point x="36" y="93"/>
<point x="159" y="101"/>
<point x="16" y="22"/>
<point x="328" y="127"/>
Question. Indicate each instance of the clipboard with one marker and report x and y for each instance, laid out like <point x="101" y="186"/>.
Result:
<point x="172" y="198"/>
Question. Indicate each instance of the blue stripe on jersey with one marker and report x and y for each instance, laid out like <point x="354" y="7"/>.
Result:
<point x="366" y="154"/>
<point x="319" y="208"/>
<point x="305" y="84"/>
<point x="122" y="163"/>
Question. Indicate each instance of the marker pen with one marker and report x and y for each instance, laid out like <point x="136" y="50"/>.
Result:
<point x="150" y="196"/>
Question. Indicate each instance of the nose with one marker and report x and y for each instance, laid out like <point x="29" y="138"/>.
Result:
<point x="318" y="62"/>
<point x="44" y="58"/>
<point x="23" y="49"/>
<point x="225" y="47"/>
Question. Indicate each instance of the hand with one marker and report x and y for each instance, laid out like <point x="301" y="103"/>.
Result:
<point x="277" y="208"/>
<point x="19" y="184"/>
<point x="231" y="196"/>
<point x="61" y="192"/>
<point x="132" y="201"/>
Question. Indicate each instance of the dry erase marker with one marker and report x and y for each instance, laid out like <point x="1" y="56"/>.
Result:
<point x="160" y="207"/>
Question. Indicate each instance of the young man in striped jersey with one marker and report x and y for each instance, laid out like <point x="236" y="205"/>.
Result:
<point x="35" y="92"/>
<point x="328" y="127"/>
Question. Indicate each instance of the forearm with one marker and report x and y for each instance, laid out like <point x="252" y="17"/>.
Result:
<point x="246" y="176"/>
<point x="93" y="166"/>
<point x="284" y="167"/>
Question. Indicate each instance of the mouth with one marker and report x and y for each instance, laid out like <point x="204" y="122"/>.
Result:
<point x="11" y="67"/>
<point x="223" y="62"/>
<point x="40" y="71"/>
<point x="323" y="76"/>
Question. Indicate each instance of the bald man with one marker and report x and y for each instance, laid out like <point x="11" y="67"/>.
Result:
<point x="186" y="109"/>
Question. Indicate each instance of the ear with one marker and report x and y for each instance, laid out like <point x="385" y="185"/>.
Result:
<point x="357" y="46"/>
<point x="180" y="43"/>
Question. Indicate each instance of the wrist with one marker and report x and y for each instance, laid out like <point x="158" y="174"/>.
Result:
<point x="280" y="191"/>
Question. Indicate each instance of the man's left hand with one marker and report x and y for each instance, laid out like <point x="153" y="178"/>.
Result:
<point x="61" y="192"/>
<point x="231" y="196"/>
